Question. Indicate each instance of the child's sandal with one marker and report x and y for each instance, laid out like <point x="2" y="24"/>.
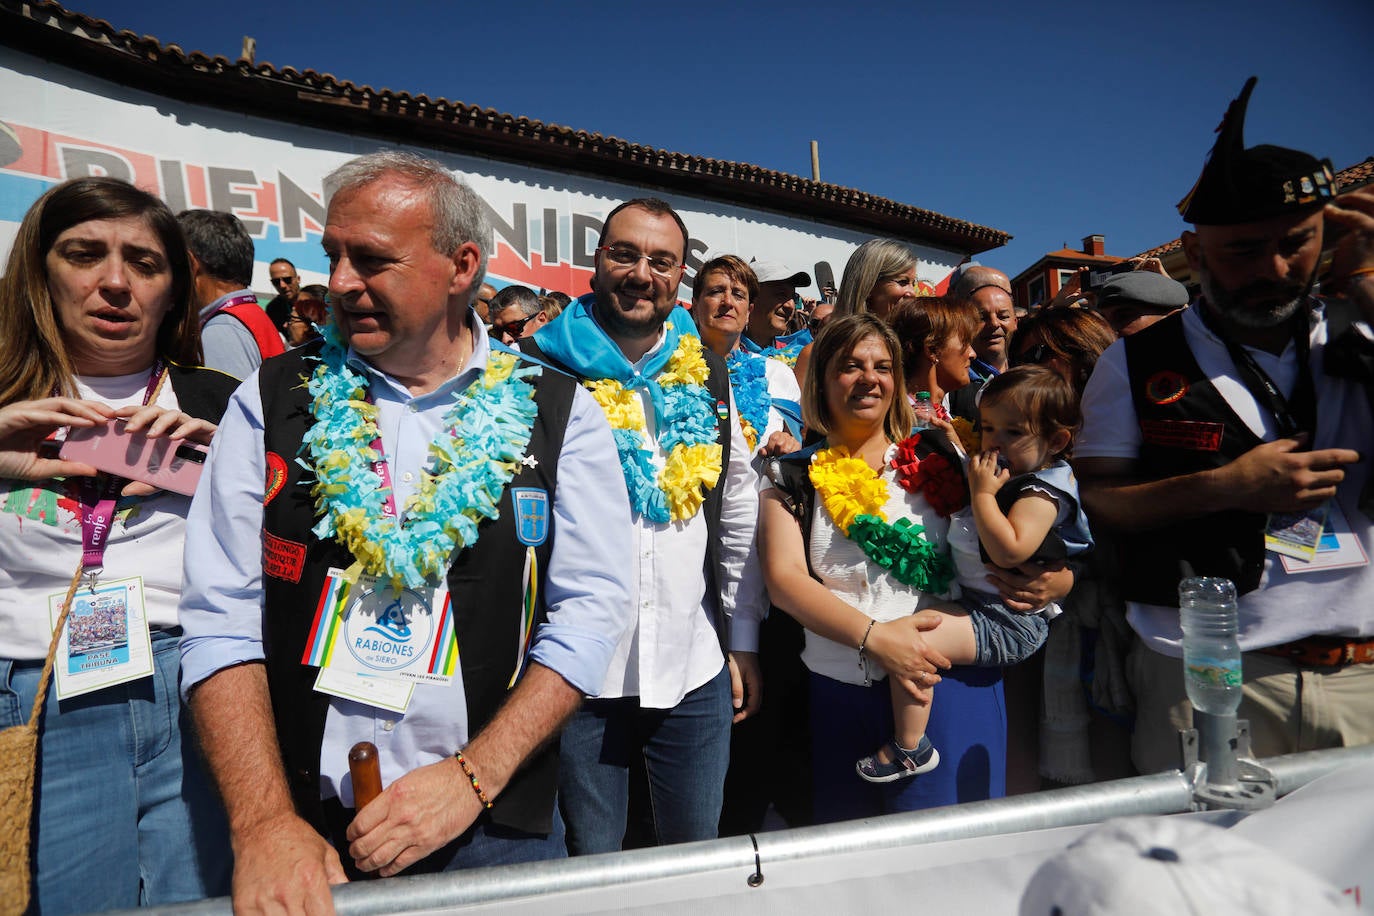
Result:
<point x="904" y="765"/>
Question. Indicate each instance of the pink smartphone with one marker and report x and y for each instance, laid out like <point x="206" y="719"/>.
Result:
<point x="164" y="463"/>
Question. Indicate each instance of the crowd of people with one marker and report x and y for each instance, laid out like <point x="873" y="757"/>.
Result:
<point x="876" y="553"/>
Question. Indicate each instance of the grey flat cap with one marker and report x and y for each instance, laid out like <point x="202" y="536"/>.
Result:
<point x="1144" y="288"/>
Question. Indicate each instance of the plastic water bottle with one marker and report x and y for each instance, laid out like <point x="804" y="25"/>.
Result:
<point x="1211" y="654"/>
<point x="925" y="412"/>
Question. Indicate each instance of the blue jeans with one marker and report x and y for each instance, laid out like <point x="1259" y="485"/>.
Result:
<point x="1003" y="637"/>
<point x="683" y="753"/>
<point x="968" y="725"/>
<point x="124" y="813"/>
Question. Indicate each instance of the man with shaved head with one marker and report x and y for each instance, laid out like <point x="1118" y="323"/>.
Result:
<point x="990" y="290"/>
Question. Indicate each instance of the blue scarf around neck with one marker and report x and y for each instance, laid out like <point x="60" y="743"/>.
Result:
<point x="576" y="340"/>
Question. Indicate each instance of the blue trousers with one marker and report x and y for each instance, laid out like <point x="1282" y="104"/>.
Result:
<point x="124" y="813"/>
<point x="682" y="752"/>
<point x="968" y="726"/>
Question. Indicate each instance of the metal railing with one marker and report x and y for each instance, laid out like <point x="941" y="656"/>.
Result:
<point x="1164" y="793"/>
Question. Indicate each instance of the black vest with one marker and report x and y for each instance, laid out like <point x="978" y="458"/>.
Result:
<point x="201" y="392"/>
<point x="485" y="581"/>
<point x="1186" y="427"/>
<point x="718" y="383"/>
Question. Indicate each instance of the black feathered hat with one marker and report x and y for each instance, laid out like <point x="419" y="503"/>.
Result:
<point x="1240" y="185"/>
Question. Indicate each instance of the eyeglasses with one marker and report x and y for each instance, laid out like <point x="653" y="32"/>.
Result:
<point x="293" y="318"/>
<point x="659" y="266"/>
<point x="284" y="281"/>
<point x="513" y="328"/>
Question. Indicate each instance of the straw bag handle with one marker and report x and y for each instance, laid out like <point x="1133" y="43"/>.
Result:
<point x="46" y="676"/>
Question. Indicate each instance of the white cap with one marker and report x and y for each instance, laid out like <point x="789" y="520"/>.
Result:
<point x="1153" y="865"/>
<point x="773" y="271"/>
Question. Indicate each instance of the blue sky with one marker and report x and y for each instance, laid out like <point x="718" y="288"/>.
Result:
<point x="1050" y="121"/>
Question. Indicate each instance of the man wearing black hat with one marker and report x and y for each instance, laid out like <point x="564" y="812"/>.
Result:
<point x="1207" y="435"/>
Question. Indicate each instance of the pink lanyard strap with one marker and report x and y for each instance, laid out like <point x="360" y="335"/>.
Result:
<point x="241" y="299"/>
<point x="381" y="470"/>
<point x="98" y="496"/>
<point x="379" y="467"/>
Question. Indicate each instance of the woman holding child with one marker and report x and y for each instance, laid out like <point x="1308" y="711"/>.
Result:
<point x="853" y="536"/>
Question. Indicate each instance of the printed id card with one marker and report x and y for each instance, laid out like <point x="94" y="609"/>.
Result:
<point x="366" y="626"/>
<point x="1338" y="547"/>
<point x="1296" y="534"/>
<point x="106" y="640"/>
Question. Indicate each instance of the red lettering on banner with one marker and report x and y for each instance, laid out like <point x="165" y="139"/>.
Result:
<point x="282" y="559"/>
<point x="195" y="187"/>
<point x="1190" y="434"/>
<point x="507" y="265"/>
<point x="266" y="199"/>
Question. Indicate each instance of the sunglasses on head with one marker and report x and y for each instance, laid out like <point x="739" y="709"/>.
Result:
<point x="1034" y="356"/>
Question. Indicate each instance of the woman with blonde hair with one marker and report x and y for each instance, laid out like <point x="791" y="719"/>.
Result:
<point x="862" y="578"/>
<point x="879" y="274"/>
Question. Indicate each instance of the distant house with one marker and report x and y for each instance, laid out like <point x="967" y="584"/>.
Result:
<point x="1040" y="282"/>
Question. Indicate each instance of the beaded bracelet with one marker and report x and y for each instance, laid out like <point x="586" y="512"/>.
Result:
<point x="472" y="778"/>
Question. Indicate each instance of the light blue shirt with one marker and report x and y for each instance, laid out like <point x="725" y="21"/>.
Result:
<point x="585" y="588"/>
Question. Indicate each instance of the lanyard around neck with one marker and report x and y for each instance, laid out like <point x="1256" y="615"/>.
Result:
<point x="98" y="496"/>
<point x="1294" y="416"/>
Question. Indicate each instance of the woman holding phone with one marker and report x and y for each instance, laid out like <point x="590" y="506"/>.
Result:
<point x="96" y="311"/>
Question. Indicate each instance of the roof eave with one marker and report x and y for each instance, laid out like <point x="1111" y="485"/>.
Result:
<point x="47" y="30"/>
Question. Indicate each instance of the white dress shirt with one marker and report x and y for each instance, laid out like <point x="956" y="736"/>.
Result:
<point x="672" y="648"/>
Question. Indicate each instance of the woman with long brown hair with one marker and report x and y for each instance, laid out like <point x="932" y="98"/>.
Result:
<point x="97" y="314"/>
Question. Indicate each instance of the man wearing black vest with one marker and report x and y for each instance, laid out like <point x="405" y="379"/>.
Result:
<point x="689" y="665"/>
<point x="435" y="516"/>
<point x="1206" y="434"/>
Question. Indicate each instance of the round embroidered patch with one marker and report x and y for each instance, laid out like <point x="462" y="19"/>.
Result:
<point x="722" y="410"/>
<point x="276" y="477"/>
<point x="1166" y="387"/>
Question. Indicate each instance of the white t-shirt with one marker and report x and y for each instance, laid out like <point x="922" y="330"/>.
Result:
<point x="1286" y="606"/>
<point x="40" y="540"/>
<point x="844" y="569"/>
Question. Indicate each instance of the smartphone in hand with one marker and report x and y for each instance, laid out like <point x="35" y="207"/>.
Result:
<point x="167" y="464"/>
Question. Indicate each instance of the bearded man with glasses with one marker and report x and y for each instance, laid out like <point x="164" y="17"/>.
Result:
<point x="689" y="665"/>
